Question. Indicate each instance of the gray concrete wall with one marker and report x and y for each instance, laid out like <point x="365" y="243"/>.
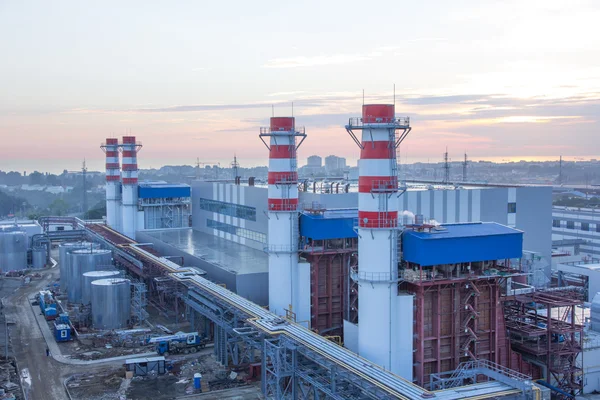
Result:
<point x="534" y="217"/>
<point x="494" y="205"/>
<point x="254" y="287"/>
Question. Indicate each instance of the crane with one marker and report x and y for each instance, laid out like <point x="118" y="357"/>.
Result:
<point x="199" y="163"/>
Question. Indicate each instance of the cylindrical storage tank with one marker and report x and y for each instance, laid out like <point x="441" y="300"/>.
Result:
<point x="419" y="219"/>
<point x="87" y="279"/>
<point x="111" y="303"/>
<point x="63" y="259"/>
<point x="13" y="250"/>
<point x="38" y="258"/>
<point x="595" y="313"/>
<point x="80" y="262"/>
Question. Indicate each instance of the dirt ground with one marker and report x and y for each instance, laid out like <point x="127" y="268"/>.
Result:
<point x="41" y="375"/>
<point x="178" y="382"/>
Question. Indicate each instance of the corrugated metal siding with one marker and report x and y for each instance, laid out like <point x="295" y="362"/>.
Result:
<point x="447" y="248"/>
<point x="157" y="192"/>
<point x="319" y="228"/>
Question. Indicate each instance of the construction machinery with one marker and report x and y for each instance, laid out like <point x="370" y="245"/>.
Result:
<point x="178" y="343"/>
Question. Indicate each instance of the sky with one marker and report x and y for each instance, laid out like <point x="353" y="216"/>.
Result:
<point x="500" y="80"/>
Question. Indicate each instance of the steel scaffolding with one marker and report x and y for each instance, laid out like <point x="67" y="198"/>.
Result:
<point x="138" y="302"/>
<point x="543" y="328"/>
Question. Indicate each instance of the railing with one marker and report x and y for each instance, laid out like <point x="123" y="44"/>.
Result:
<point x="377" y="223"/>
<point x="360" y="123"/>
<point x="470" y="370"/>
<point x="280" y="248"/>
<point x="384" y="186"/>
<point x="298" y="130"/>
<point x="374" y="277"/>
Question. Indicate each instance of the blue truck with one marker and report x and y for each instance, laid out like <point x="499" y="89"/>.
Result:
<point x="179" y="342"/>
<point x="48" y="304"/>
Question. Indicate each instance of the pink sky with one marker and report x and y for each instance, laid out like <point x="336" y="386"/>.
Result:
<point x="199" y="80"/>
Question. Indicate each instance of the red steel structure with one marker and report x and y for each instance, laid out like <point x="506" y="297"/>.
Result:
<point x="331" y="289"/>
<point x="458" y="316"/>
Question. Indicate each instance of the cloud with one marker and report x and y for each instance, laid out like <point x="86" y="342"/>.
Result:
<point x="285" y="93"/>
<point x="311" y="61"/>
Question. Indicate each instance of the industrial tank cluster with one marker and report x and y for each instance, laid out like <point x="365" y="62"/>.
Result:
<point x="88" y="277"/>
<point x="15" y="244"/>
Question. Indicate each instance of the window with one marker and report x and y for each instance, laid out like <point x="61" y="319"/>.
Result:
<point x="570" y="225"/>
<point x="236" y="230"/>
<point x="231" y="209"/>
<point x="512" y="208"/>
<point x="556" y="223"/>
<point x="597" y="227"/>
<point x="585" y="226"/>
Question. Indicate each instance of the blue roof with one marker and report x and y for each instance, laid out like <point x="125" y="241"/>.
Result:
<point x="331" y="224"/>
<point x="154" y="190"/>
<point x="457" y="243"/>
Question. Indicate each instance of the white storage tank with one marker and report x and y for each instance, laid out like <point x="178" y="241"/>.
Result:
<point x="87" y="279"/>
<point x="63" y="259"/>
<point x="13" y="250"/>
<point x="80" y="262"/>
<point x="38" y="257"/>
<point x="111" y="303"/>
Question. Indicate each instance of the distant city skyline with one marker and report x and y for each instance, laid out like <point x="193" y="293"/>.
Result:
<point x="498" y="80"/>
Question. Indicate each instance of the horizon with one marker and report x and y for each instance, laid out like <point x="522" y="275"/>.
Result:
<point x="495" y="88"/>
<point x="500" y="160"/>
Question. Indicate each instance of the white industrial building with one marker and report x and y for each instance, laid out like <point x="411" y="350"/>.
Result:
<point x="238" y="212"/>
<point x="576" y="231"/>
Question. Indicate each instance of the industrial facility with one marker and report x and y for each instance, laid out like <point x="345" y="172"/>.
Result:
<point x="380" y="290"/>
<point x="148" y="205"/>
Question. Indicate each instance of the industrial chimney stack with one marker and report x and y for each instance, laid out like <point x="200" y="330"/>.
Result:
<point x="129" y="179"/>
<point x="377" y="275"/>
<point x="282" y="211"/>
<point x="113" y="192"/>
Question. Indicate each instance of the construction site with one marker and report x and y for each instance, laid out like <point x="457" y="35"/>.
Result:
<point x="277" y="292"/>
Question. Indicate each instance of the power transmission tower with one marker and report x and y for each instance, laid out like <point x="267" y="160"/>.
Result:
<point x="235" y="166"/>
<point x="560" y="177"/>
<point x="85" y="201"/>
<point x="446" y="167"/>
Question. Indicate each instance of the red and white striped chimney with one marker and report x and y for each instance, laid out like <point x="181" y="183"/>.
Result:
<point x="282" y="211"/>
<point x="377" y="273"/>
<point x="129" y="180"/>
<point x="113" y="192"/>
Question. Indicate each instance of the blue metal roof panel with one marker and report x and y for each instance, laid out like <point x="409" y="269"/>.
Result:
<point x="157" y="191"/>
<point x="457" y="243"/>
<point x="332" y="224"/>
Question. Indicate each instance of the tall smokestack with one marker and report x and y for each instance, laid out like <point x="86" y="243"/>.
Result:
<point x="113" y="192"/>
<point x="129" y="179"/>
<point x="377" y="273"/>
<point x="282" y="211"/>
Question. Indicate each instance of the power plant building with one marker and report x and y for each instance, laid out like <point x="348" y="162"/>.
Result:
<point x="361" y="262"/>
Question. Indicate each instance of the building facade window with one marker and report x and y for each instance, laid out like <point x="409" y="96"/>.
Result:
<point x="230" y="209"/>
<point x="512" y="208"/>
<point x="597" y="227"/>
<point x="236" y="230"/>
<point x="585" y="226"/>
<point x="570" y="224"/>
<point x="556" y="223"/>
